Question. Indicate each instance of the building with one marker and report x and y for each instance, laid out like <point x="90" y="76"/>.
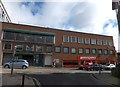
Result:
<point x="4" y="17"/>
<point x="116" y="7"/>
<point x="42" y="46"/>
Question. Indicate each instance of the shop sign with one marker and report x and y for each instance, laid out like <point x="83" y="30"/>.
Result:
<point x="86" y="58"/>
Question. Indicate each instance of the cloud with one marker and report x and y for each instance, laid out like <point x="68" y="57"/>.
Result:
<point x="91" y="16"/>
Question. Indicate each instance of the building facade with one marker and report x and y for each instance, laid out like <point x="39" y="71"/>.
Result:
<point x="42" y="46"/>
<point x="4" y="17"/>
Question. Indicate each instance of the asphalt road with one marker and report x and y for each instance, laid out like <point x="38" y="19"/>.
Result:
<point x="69" y="80"/>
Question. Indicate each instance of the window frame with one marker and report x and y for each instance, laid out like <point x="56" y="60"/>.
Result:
<point x="73" y="38"/>
<point x="73" y="48"/>
<point x="79" y="50"/>
<point x="64" y="40"/>
<point x="86" y="50"/>
<point x="7" y="43"/>
<point x="59" y="49"/>
<point x="67" y="49"/>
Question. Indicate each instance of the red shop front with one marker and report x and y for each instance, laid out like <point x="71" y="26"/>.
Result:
<point x="87" y="59"/>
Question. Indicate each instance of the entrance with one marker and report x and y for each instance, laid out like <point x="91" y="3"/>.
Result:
<point x="29" y="58"/>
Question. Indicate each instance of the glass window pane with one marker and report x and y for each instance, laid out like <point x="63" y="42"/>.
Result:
<point x="73" y="39"/>
<point x="87" y="41"/>
<point x="49" y="49"/>
<point x="8" y="46"/>
<point x="87" y="51"/>
<point x="57" y="49"/>
<point x="93" y="51"/>
<point x="39" y="49"/>
<point x="80" y="50"/>
<point x="30" y="47"/>
<point x="66" y="50"/>
<point x="65" y="38"/>
<point x="93" y="41"/>
<point x="80" y="40"/>
<point x="73" y="50"/>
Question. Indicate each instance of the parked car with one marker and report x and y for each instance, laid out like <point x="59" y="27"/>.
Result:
<point x="85" y="67"/>
<point x="97" y="67"/>
<point x="110" y="66"/>
<point x="19" y="63"/>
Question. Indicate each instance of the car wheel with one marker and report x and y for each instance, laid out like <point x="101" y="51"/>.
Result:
<point x="24" y="67"/>
<point x="6" y="66"/>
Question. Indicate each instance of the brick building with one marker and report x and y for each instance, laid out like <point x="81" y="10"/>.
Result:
<point x="41" y="46"/>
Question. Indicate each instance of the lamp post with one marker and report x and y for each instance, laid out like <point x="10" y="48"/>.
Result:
<point x="14" y="52"/>
<point x="99" y="63"/>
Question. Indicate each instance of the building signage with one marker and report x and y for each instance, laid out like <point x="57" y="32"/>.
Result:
<point x="86" y="58"/>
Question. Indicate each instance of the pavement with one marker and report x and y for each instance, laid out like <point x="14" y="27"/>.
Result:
<point x="16" y="78"/>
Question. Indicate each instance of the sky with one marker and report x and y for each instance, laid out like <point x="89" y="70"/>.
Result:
<point x="89" y="16"/>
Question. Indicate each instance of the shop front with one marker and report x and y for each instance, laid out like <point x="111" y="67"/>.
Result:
<point x="87" y="60"/>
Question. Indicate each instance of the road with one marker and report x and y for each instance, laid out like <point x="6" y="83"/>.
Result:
<point x="69" y="79"/>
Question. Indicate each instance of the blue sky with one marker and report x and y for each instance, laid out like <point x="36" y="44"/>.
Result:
<point x="90" y="16"/>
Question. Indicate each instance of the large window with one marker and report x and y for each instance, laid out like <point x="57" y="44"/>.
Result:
<point x="29" y="47"/>
<point x="49" y="49"/>
<point x="105" y="42"/>
<point x="87" y="41"/>
<point x="73" y="39"/>
<point x="57" y="49"/>
<point x="93" y="41"/>
<point x="73" y="50"/>
<point x="80" y="50"/>
<point x="110" y="43"/>
<point x="106" y="52"/>
<point x="100" y="51"/>
<point x="65" y="38"/>
<point x="66" y="49"/>
<point x="80" y="40"/>
<point x="7" y="46"/>
<point x="49" y="39"/>
<point x="111" y="52"/>
<point x="87" y="50"/>
<point x="39" y="48"/>
<point x="93" y="51"/>
<point x="19" y="47"/>
<point x="9" y="35"/>
<point x="99" y="42"/>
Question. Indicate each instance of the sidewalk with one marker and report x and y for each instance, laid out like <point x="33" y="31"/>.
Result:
<point x="106" y="77"/>
<point x="15" y="80"/>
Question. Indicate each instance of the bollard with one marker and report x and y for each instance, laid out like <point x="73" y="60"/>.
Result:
<point x="23" y="80"/>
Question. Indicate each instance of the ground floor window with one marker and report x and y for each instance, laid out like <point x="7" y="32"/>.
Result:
<point x="7" y="46"/>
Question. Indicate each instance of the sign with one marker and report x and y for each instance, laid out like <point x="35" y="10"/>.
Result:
<point x="86" y="58"/>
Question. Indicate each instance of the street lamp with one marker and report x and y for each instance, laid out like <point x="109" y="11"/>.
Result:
<point x="99" y="63"/>
<point x="14" y="52"/>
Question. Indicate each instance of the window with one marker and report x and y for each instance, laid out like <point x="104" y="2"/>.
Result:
<point x="29" y="47"/>
<point x="49" y="49"/>
<point x="99" y="42"/>
<point x="105" y="42"/>
<point x="8" y="46"/>
<point x="99" y="51"/>
<point x="39" y="49"/>
<point x="65" y="38"/>
<point x="73" y="50"/>
<point x="49" y="39"/>
<point x="93" y="41"/>
<point x="57" y="49"/>
<point x="80" y="50"/>
<point x="87" y="51"/>
<point x="73" y="39"/>
<point x="93" y="51"/>
<point x="87" y="41"/>
<point x="106" y="52"/>
<point x="19" y="47"/>
<point x="110" y="43"/>
<point x="66" y="49"/>
<point x="111" y="52"/>
<point x="80" y="40"/>
<point x="9" y="35"/>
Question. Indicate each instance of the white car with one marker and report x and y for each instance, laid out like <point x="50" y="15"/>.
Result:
<point x="110" y="66"/>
